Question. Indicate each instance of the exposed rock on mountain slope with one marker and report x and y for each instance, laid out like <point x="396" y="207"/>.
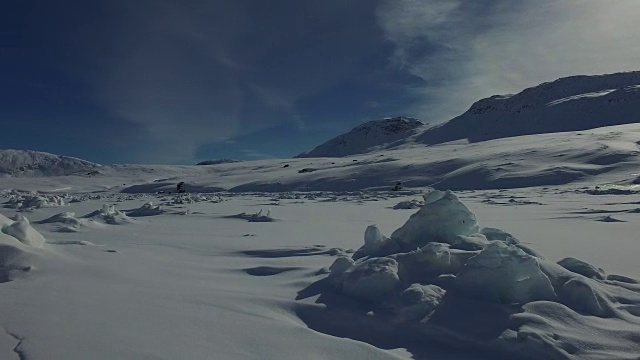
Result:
<point x="367" y="137"/>
<point x="20" y="163"/>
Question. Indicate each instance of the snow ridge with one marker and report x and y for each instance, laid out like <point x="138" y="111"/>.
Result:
<point x="366" y="137"/>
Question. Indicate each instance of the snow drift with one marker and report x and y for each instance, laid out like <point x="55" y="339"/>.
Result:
<point x="444" y="278"/>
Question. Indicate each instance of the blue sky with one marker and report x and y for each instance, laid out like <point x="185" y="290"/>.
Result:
<point x="168" y="81"/>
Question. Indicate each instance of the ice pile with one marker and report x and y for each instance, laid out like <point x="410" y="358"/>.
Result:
<point x="30" y="202"/>
<point x="109" y="215"/>
<point x="443" y="276"/>
<point x="192" y="198"/>
<point x="147" y="209"/>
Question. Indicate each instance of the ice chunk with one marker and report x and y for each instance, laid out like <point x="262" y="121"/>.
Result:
<point x="419" y="301"/>
<point x="443" y="218"/>
<point x="504" y="273"/>
<point x="376" y="244"/>
<point x="22" y="230"/>
<point x="582" y="268"/>
<point x="497" y="234"/>
<point x="340" y="265"/>
<point x="373" y="237"/>
<point x="469" y="242"/>
<point x="371" y="279"/>
<point x="109" y="209"/>
<point x="429" y="262"/>
<point x="579" y="295"/>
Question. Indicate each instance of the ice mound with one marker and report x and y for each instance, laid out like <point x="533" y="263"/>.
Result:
<point x="260" y="216"/>
<point x="147" y="209"/>
<point x="443" y="277"/>
<point x="18" y="240"/>
<point x="22" y="230"/>
<point x="109" y="215"/>
<point x="442" y="218"/>
<point x="68" y="222"/>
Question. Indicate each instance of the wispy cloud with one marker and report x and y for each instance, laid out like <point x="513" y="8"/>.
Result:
<point x="465" y="50"/>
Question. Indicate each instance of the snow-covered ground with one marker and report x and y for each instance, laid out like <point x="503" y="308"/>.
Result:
<point x="185" y="277"/>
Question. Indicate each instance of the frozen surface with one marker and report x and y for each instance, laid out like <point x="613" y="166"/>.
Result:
<point x="203" y="285"/>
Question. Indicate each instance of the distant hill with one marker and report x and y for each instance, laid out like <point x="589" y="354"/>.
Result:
<point x="367" y="137"/>
<point x="218" y="161"/>
<point x="24" y="163"/>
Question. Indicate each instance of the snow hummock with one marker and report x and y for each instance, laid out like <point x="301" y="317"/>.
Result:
<point x="440" y="274"/>
<point x="109" y="215"/>
<point x="148" y="209"/>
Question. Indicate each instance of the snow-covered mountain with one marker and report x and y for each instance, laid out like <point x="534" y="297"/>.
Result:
<point x="20" y="163"/>
<point x="568" y="104"/>
<point x="367" y="137"/>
